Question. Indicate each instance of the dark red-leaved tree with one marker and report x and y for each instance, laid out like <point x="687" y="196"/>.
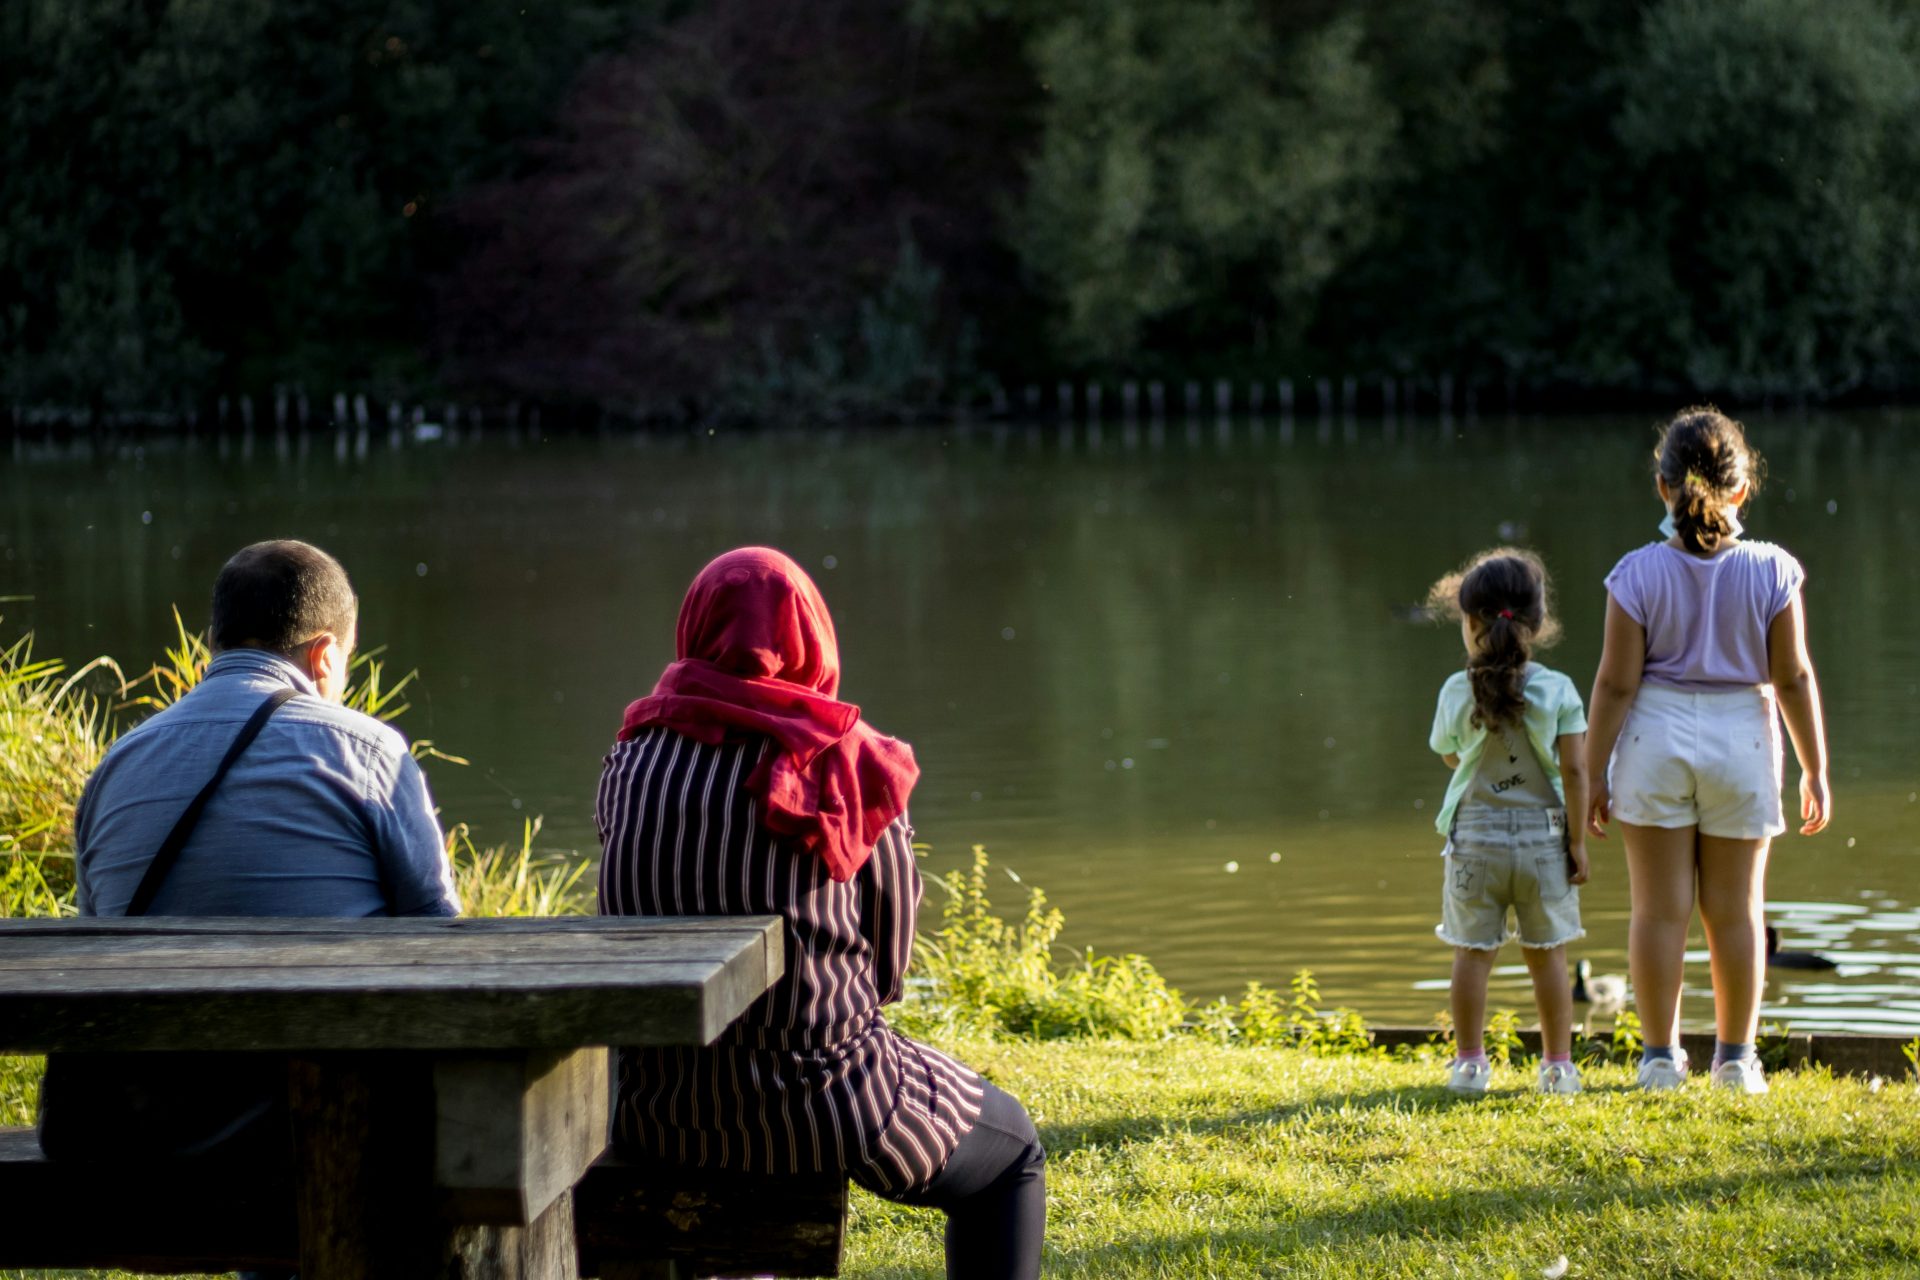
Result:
<point x="723" y="197"/>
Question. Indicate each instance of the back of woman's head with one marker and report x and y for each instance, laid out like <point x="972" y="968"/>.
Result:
<point x="1506" y="598"/>
<point x="1709" y="469"/>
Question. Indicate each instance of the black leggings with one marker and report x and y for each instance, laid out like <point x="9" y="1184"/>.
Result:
<point x="994" y="1192"/>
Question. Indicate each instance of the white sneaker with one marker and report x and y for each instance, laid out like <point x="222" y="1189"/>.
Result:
<point x="1744" y="1076"/>
<point x="1559" y="1077"/>
<point x="1469" y="1078"/>
<point x="1657" y="1074"/>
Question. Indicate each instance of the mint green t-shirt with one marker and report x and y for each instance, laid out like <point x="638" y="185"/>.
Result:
<point x="1553" y="709"/>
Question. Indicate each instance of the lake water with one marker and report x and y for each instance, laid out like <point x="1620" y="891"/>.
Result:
<point x="1163" y="672"/>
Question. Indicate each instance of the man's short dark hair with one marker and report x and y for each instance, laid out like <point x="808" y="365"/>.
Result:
<point x="279" y="595"/>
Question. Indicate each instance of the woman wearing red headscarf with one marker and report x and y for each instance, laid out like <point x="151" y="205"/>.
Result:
<point x="743" y="786"/>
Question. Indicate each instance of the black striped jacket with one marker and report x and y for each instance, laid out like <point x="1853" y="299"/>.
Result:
<point x="810" y="1078"/>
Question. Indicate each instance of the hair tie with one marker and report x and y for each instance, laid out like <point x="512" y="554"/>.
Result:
<point x="1507" y="614"/>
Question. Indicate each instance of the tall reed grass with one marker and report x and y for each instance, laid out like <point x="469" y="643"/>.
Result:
<point x="56" y="726"/>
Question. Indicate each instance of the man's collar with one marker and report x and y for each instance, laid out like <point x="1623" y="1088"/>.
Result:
<point x="260" y="662"/>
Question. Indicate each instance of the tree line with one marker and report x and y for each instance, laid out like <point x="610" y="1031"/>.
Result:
<point x="888" y="207"/>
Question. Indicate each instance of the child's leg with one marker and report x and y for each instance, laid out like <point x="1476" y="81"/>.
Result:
<point x="1468" y="997"/>
<point x="1553" y="994"/>
<point x="1733" y="877"/>
<point x="1660" y="872"/>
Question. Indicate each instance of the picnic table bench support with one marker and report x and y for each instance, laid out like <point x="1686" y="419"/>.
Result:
<point x="457" y="1167"/>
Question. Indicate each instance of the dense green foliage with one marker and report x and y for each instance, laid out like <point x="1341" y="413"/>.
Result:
<point x="854" y="208"/>
<point x="202" y="193"/>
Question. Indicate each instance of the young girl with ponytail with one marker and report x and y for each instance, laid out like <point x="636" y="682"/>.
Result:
<point x="1705" y="649"/>
<point x="1513" y="733"/>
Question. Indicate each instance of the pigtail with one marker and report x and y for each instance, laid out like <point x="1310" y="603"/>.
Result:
<point x="1498" y="672"/>
<point x="1704" y="460"/>
<point x="1505" y="594"/>
<point x="1700" y="516"/>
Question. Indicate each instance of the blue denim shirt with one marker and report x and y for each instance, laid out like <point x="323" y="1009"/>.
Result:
<point x="325" y="814"/>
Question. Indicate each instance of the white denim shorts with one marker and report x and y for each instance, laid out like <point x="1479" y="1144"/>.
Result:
<point x="1711" y="760"/>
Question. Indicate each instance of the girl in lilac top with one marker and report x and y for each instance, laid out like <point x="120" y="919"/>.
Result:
<point x="1705" y="651"/>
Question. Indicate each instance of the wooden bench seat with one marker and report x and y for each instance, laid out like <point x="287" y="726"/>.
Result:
<point x="165" y="1218"/>
<point x="630" y="1220"/>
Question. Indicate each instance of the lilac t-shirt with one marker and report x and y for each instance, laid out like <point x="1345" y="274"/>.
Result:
<point x="1706" y="619"/>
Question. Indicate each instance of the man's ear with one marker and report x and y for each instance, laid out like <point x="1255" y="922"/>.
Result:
<point x="327" y="658"/>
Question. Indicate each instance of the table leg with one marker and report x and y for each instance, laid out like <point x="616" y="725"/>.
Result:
<point x="542" y="1251"/>
<point x="363" y="1129"/>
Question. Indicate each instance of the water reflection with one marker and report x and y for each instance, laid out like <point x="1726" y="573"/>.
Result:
<point x="1130" y="656"/>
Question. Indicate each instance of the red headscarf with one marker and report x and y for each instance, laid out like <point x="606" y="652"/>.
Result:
<point x="757" y="653"/>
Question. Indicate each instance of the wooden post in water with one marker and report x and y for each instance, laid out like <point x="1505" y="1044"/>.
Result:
<point x="1157" y="398"/>
<point x="1256" y="397"/>
<point x="1222" y="397"/>
<point x="279" y="406"/>
<point x="1286" y="397"/>
<point x="1063" y="398"/>
<point x="1093" y="401"/>
<point x="1129" y="399"/>
<point x="360" y="415"/>
<point x="1323" y="395"/>
<point x="1192" y="398"/>
<point x="339" y="408"/>
<point x="1349" y="396"/>
<point x="301" y="410"/>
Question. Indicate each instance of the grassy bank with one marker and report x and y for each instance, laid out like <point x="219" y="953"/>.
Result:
<point x="1191" y="1159"/>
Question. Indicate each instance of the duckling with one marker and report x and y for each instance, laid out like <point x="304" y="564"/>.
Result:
<point x="1778" y="959"/>
<point x="1606" y="992"/>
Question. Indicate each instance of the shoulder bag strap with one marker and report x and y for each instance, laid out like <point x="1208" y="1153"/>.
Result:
<point x="177" y="838"/>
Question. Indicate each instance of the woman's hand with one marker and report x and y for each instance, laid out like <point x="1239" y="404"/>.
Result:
<point x="1599" y="806"/>
<point x="1816" y="806"/>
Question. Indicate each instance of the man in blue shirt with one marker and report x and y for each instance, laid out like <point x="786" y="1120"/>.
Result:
<point x="325" y="813"/>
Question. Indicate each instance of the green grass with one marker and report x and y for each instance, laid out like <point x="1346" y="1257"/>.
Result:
<point x="1192" y="1159"/>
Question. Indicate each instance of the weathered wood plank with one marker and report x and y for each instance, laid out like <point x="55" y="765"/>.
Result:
<point x="678" y="981"/>
<point x="514" y="1132"/>
<point x="216" y="952"/>
<point x="491" y="1014"/>
<point x="281" y="926"/>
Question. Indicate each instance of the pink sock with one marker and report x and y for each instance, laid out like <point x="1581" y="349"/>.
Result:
<point x="1559" y="1059"/>
<point x="1478" y="1054"/>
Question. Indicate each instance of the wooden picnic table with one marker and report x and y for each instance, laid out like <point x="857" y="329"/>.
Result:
<point x="447" y="1078"/>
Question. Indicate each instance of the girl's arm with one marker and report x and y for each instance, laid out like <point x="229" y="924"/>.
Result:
<point x="1791" y="671"/>
<point x="1572" y="750"/>
<point x="1623" y="655"/>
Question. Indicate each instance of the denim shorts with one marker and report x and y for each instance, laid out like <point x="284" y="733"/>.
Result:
<point x="1711" y="760"/>
<point x="1501" y="860"/>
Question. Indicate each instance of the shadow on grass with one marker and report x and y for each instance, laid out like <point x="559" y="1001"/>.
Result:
<point x="1061" y="1139"/>
<point x="1457" y="1215"/>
